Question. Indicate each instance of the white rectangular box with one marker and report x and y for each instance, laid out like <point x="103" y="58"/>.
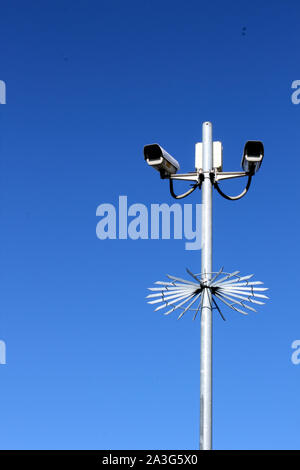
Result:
<point x="217" y="156"/>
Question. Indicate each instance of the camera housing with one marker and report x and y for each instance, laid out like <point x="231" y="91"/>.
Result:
<point x="161" y="160"/>
<point x="253" y="156"/>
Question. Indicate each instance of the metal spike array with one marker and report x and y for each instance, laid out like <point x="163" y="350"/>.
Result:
<point x="232" y="289"/>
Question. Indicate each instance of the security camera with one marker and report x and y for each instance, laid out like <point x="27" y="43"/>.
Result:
<point x="253" y="156"/>
<point x="157" y="157"/>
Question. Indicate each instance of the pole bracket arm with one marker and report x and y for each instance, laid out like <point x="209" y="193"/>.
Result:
<point x="226" y="175"/>
<point x="196" y="176"/>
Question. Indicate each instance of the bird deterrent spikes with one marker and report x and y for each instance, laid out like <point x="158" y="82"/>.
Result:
<point x="233" y="290"/>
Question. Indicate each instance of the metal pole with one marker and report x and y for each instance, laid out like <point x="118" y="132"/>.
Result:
<point x="206" y="310"/>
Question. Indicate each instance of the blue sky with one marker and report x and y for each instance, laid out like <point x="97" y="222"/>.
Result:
<point x="89" y="364"/>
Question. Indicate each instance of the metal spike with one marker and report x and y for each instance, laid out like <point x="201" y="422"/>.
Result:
<point x="169" y="289"/>
<point x="173" y="302"/>
<point x="169" y="301"/>
<point x="231" y="306"/>
<point x="253" y="294"/>
<point x="178" y="306"/>
<point x="198" y="308"/>
<point x="244" y="299"/>
<point x="250" y="289"/>
<point x="242" y="278"/>
<point x="163" y="294"/>
<point x="193" y="275"/>
<point x="239" y="302"/>
<point x="181" y="280"/>
<point x="217" y="275"/>
<point x="224" y="278"/>
<point x="192" y="302"/>
<point x="166" y="300"/>
<point x="163" y="283"/>
<point x="258" y="302"/>
<point x="253" y="283"/>
<point x="217" y="307"/>
<point x="238" y="296"/>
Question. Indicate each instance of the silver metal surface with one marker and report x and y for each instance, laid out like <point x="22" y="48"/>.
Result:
<point x="206" y="308"/>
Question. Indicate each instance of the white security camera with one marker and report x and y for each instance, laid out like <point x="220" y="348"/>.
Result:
<point x="159" y="159"/>
<point x="253" y="156"/>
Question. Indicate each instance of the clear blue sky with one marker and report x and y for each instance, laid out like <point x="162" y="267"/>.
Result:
<point x="89" y="364"/>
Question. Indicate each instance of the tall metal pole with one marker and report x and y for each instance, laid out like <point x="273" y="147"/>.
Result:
<point x="206" y="311"/>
